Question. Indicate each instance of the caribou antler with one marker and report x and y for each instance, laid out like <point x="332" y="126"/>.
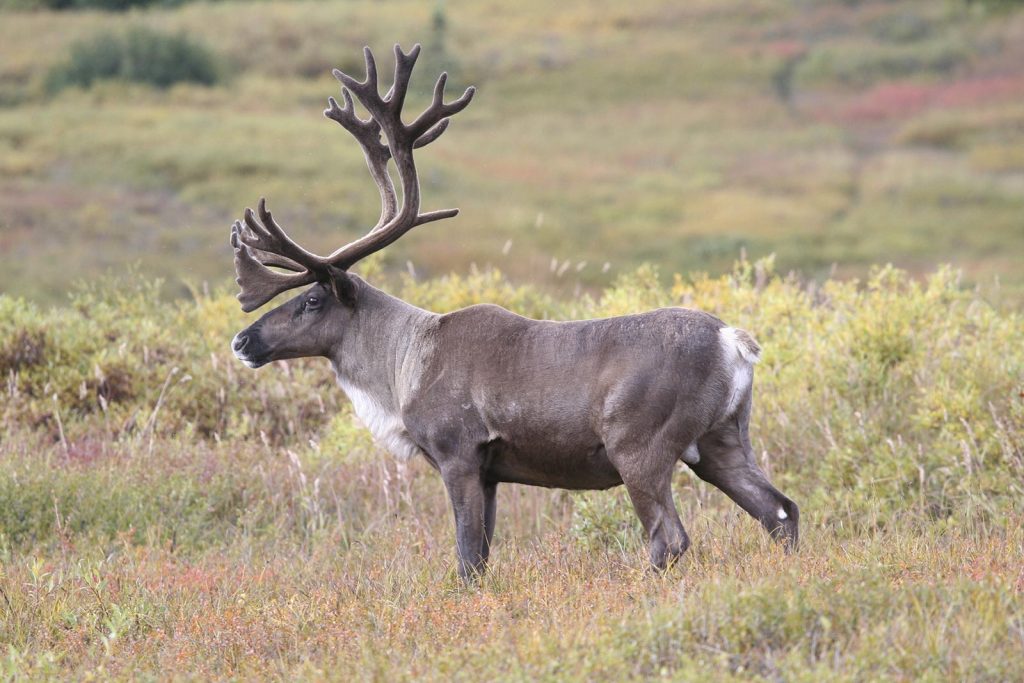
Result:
<point x="260" y="245"/>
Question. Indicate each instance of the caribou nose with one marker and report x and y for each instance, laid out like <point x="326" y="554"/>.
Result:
<point x="240" y="342"/>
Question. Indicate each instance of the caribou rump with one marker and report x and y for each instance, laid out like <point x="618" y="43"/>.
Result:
<point x="487" y="396"/>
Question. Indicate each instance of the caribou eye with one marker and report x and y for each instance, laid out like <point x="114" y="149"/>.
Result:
<point x="312" y="302"/>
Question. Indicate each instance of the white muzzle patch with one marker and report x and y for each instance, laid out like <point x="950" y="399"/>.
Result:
<point x="239" y="354"/>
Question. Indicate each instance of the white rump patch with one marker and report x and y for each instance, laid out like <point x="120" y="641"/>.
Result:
<point x="782" y="514"/>
<point x="740" y="352"/>
<point x="743" y="344"/>
<point x="383" y="422"/>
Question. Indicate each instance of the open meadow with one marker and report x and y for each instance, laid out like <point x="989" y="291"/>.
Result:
<point x="804" y="170"/>
<point x="826" y="132"/>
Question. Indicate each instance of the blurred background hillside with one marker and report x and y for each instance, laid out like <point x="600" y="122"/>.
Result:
<point x="605" y="134"/>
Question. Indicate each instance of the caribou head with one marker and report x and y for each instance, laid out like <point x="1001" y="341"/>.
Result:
<point x="306" y="325"/>
<point x="487" y="396"/>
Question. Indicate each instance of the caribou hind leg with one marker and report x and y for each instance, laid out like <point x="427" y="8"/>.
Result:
<point x="727" y="462"/>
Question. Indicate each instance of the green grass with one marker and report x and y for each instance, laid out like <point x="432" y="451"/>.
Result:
<point x="601" y="133"/>
<point x="141" y="55"/>
<point x="240" y="524"/>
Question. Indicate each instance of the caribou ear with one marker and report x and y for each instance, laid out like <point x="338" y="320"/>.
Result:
<point x="341" y="285"/>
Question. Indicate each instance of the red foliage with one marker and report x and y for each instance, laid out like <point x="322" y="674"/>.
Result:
<point x="901" y="99"/>
<point x="968" y="92"/>
<point x="785" y="49"/>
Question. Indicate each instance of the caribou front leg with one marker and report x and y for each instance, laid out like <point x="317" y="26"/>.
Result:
<point x="490" y="508"/>
<point x="467" y="493"/>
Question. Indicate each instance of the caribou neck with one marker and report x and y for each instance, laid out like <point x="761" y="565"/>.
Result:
<point x="383" y="347"/>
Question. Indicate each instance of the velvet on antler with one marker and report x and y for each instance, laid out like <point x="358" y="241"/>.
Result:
<point x="268" y="262"/>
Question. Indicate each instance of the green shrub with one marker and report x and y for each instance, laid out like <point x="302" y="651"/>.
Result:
<point x="119" y="364"/>
<point x="604" y="520"/>
<point x="890" y="397"/>
<point x="141" y="55"/>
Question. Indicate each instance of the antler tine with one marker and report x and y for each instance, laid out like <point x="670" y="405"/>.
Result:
<point x="404" y="64"/>
<point x="270" y="259"/>
<point x="261" y="244"/>
<point x="401" y="141"/>
<point x="366" y="90"/>
<point x="371" y="70"/>
<point x="438" y="110"/>
<point x="378" y="238"/>
<point x="377" y="154"/>
<point x="273" y="238"/>
<point x="432" y="134"/>
<point x="258" y="283"/>
<point x="346" y="115"/>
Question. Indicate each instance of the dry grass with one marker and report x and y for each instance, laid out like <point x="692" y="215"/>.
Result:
<point x="373" y="595"/>
<point x="241" y="525"/>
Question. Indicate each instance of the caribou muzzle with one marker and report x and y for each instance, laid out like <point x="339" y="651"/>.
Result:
<point x="249" y="348"/>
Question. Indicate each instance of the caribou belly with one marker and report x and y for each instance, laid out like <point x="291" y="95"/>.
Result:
<point x="553" y="469"/>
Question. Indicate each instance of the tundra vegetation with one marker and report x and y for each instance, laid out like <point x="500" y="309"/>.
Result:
<point x="168" y="513"/>
<point x="824" y="131"/>
<point x="165" y="510"/>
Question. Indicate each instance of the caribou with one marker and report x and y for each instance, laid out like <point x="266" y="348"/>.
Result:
<point x="490" y="397"/>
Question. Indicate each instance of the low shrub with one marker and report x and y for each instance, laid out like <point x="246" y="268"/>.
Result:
<point x="247" y="527"/>
<point x="120" y="363"/>
<point x="878" y="399"/>
<point x="140" y="55"/>
<point x="862" y="64"/>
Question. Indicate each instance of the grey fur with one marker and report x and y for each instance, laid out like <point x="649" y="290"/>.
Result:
<point x="490" y="397"/>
